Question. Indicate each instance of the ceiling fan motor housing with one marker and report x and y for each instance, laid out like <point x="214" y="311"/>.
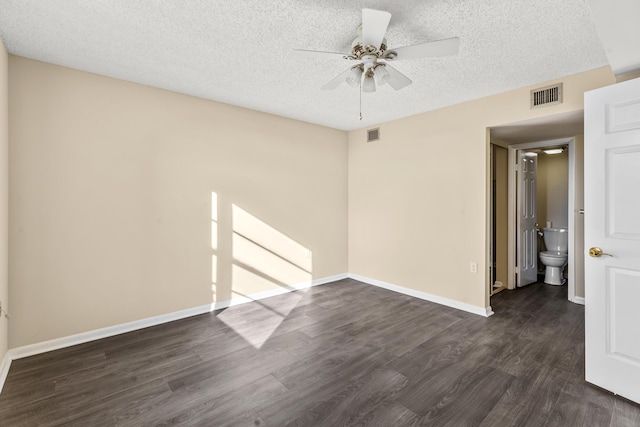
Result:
<point x="358" y="50"/>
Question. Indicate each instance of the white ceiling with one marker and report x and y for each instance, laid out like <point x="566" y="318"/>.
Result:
<point x="240" y="52"/>
<point x="617" y="24"/>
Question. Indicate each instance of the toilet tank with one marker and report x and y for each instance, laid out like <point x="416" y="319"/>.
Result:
<point x="556" y="239"/>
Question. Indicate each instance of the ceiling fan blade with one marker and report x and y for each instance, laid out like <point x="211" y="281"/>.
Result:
<point x="397" y="80"/>
<point x="444" y="47"/>
<point x="319" y="53"/>
<point x="374" y="26"/>
<point x="335" y="82"/>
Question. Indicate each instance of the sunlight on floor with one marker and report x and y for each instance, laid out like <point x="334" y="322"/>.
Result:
<point x="258" y="332"/>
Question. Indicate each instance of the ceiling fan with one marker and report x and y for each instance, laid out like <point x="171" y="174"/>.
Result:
<point x="371" y="56"/>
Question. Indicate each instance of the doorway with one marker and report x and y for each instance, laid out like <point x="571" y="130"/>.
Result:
<point x="571" y="217"/>
<point x="571" y="210"/>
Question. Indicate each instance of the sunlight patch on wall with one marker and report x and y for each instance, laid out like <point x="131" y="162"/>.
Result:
<point x="279" y="271"/>
<point x="246" y="282"/>
<point x="270" y="239"/>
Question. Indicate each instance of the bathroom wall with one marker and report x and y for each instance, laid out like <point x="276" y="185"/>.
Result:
<point x="129" y="202"/>
<point x="4" y="198"/>
<point x="553" y="189"/>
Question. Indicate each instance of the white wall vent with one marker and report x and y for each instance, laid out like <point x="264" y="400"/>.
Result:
<point x="545" y="96"/>
<point x="373" y="134"/>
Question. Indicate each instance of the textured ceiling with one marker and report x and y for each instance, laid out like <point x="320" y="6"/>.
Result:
<point x="240" y="52"/>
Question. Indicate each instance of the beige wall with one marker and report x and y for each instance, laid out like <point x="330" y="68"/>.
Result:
<point x="112" y="217"/>
<point x="553" y="189"/>
<point x="418" y="197"/>
<point x="4" y="198"/>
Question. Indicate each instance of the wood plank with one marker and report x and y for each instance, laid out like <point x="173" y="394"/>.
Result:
<point x="354" y="401"/>
<point x="388" y="413"/>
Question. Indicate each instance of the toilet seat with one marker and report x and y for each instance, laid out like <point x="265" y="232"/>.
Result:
<point x="554" y="254"/>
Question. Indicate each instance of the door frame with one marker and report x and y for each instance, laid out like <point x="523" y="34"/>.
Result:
<point x="511" y="203"/>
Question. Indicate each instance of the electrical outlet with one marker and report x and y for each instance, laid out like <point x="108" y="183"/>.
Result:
<point x="473" y="267"/>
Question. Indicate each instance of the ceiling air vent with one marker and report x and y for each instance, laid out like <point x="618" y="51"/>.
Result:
<point x="545" y="96"/>
<point x="373" y="134"/>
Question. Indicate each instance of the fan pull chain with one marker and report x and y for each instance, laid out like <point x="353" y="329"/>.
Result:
<point x="361" y="101"/>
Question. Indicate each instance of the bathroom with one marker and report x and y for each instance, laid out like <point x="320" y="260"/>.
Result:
<point x="559" y="199"/>
<point x="552" y="198"/>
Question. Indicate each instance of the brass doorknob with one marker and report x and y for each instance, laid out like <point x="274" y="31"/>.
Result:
<point x="595" y="252"/>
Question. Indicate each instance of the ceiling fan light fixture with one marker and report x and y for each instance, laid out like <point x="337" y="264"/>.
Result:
<point x="354" y="77"/>
<point x="370" y="52"/>
<point x="369" y="83"/>
<point x="381" y="75"/>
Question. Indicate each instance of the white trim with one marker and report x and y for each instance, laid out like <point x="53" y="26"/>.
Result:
<point x="4" y="369"/>
<point x="278" y="291"/>
<point x="84" y="337"/>
<point x="485" y="312"/>
<point x="109" y="331"/>
<point x="578" y="300"/>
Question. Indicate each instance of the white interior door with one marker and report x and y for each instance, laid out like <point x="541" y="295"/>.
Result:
<point x="612" y="225"/>
<point x="526" y="212"/>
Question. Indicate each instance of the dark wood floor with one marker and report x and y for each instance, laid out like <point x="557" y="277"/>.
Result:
<point x="345" y="353"/>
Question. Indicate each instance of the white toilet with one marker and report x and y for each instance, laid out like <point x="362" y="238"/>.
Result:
<point x="556" y="256"/>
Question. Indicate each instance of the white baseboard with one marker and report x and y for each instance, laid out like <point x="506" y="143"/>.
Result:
<point x="4" y="369"/>
<point x="485" y="312"/>
<point x="578" y="300"/>
<point x="96" y="334"/>
<point x="278" y="291"/>
<point x="84" y="337"/>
